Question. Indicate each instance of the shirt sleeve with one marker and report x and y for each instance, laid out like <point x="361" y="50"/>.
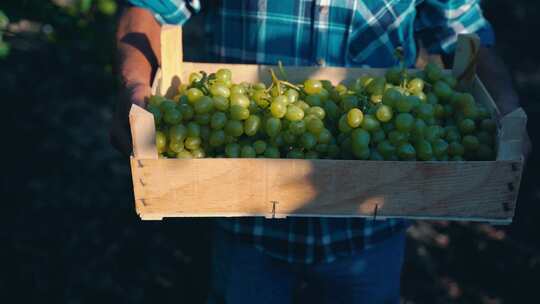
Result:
<point x="175" y="12"/>
<point x="439" y="22"/>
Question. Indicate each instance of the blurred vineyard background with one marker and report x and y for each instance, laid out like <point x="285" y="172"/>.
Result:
<point x="69" y="230"/>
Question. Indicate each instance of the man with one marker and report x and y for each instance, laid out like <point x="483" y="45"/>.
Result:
<point x="341" y="260"/>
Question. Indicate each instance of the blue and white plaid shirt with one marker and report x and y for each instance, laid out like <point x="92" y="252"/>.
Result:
<point x="334" y="33"/>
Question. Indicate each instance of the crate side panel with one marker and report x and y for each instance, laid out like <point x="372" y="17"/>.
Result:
<point x="224" y="187"/>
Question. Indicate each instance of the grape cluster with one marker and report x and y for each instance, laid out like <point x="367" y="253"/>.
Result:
<point x="396" y="117"/>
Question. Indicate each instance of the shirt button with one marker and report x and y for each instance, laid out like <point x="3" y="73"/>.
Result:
<point x="320" y="61"/>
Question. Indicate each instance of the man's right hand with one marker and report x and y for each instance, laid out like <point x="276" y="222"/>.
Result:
<point x="137" y="39"/>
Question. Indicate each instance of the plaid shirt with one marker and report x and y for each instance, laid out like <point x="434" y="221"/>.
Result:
<point x="324" y="32"/>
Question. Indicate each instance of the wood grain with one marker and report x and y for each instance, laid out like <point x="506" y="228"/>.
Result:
<point x="171" y="58"/>
<point x="143" y="133"/>
<point x="247" y="187"/>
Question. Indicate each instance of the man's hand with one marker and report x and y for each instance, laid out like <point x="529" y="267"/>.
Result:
<point x="498" y="82"/>
<point x="138" y="49"/>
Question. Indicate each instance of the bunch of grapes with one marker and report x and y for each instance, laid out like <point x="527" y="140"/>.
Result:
<point x="396" y="117"/>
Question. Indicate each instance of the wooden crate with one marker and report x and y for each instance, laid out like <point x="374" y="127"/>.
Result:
<point x="276" y="188"/>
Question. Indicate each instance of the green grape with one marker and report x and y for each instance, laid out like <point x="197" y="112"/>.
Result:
<point x="322" y="148"/>
<point x="376" y="87"/>
<point x="360" y="138"/>
<point x="156" y="100"/>
<point x="349" y="102"/>
<point x="370" y="123"/>
<point x="192" y="143"/>
<point x="271" y="152"/>
<point x="378" y="136"/>
<point x="308" y="140"/>
<point x="404" y="104"/>
<point x="354" y="117"/>
<point x="456" y="149"/>
<point x="415" y="86"/>
<point x="422" y="96"/>
<point x="295" y="154"/>
<point x="184" y="154"/>
<point x="239" y="100"/>
<point x="167" y="105"/>
<point x="324" y="95"/>
<point x="470" y="111"/>
<point x="219" y="89"/>
<point x="470" y="142"/>
<point x="198" y="153"/>
<point x="172" y="117"/>
<point x="311" y="155"/>
<point x="161" y="141"/>
<point x="452" y="134"/>
<point x="234" y="128"/>
<point x="187" y="111"/>
<point x="384" y="113"/>
<point x="176" y="146"/>
<point x="317" y="111"/>
<point x="252" y="125"/>
<point x="432" y="98"/>
<point x="439" y="112"/>
<point x="194" y="95"/>
<point x="324" y="137"/>
<point x="218" y="120"/>
<point x="297" y="127"/>
<point x="450" y="80"/>
<point x="424" y="150"/>
<point x="277" y="141"/>
<point x="440" y="147"/>
<point x="393" y="75"/>
<point x="484" y="152"/>
<point x="238" y="113"/>
<point x="156" y="112"/>
<point x="302" y="105"/>
<point x="232" y="150"/>
<point x="177" y="133"/>
<point x="314" y="100"/>
<point x="259" y="146"/>
<point x="224" y="75"/>
<point x="205" y="133"/>
<point x="294" y="113"/>
<point x="397" y="138"/>
<point x="292" y="95"/>
<point x="375" y="155"/>
<point x="315" y="126"/>
<point x="388" y="126"/>
<point x="457" y="158"/>
<point x="204" y="105"/>
<point x="238" y="89"/>
<point x="418" y="129"/>
<point x="248" y="152"/>
<point x="375" y="99"/>
<point x="442" y="90"/>
<point x="466" y="126"/>
<point x="431" y="133"/>
<point x="361" y="152"/>
<point x="333" y="151"/>
<point x="193" y="129"/>
<point x="404" y="122"/>
<point x="278" y="109"/>
<point x="425" y="111"/>
<point x="217" y="138"/>
<point x="288" y="137"/>
<point x="433" y="72"/>
<point x="272" y="126"/>
<point x="202" y="119"/>
<point x="262" y="99"/>
<point x="391" y="97"/>
<point x="331" y="110"/>
<point x="464" y="100"/>
<point x="312" y="86"/>
<point x="406" y="151"/>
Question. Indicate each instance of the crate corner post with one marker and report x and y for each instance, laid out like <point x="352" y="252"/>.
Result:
<point x="171" y="59"/>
